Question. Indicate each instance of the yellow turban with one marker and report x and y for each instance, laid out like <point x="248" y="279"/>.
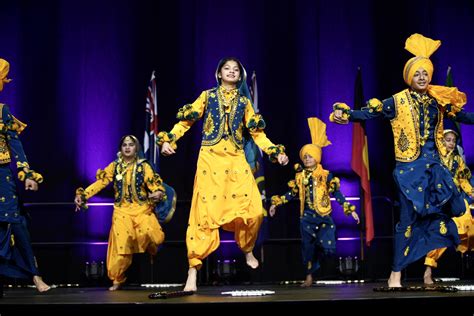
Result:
<point x="4" y="69"/>
<point x="422" y="47"/>
<point x="319" y="139"/>
<point x="312" y="150"/>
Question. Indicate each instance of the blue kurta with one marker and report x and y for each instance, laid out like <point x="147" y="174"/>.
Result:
<point x="427" y="193"/>
<point x="16" y="255"/>
<point x="318" y="233"/>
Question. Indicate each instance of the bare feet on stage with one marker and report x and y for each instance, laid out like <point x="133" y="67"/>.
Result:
<point x="308" y="282"/>
<point x="40" y="285"/>
<point x="427" y="277"/>
<point x="115" y="287"/>
<point x="191" y="281"/>
<point x="251" y="260"/>
<point x="394" y="280"/>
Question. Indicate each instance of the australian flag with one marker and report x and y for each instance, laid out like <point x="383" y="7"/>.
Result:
<point x="150" y="148"/>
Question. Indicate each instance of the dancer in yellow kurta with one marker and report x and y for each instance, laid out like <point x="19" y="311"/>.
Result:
<point x="465" y="223"/>
<point x="225" y="192"/>
<point x="135" y="228"/>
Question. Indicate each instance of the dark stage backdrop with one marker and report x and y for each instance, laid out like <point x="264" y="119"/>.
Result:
<point x="80" y="71"/>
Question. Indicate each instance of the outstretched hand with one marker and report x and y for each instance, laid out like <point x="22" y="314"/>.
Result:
<point x="339" y="118"/>
<point x="272" y="210"/>
<point x="167" y="150"/>
<point x="156" y="196"/>
<point x="283" y="159"/>
<point x="355" y="217"/>
<point x="31" y="185"/>
<point x="78" y="201"/>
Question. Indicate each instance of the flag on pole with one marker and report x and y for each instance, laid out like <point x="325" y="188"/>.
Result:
<point x="254" y="92"/>
<point x="254" y="154"/>
<point x="164" y="210"/>
<point x="150" y="148"/>
<point x="360" y="162"/>
<point x="254" y="157"/>
<point x="449" y="78"/>
<point x="451" y="124"/>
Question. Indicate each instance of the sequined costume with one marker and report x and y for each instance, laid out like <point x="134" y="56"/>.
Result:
<point x="16" y="254"/>
<point x="313" y="187"/>
<point x="427" y="194"/>
<point x="465" y="223"/>
<point x="225" y="193"/>
<point x="135" y="228"/>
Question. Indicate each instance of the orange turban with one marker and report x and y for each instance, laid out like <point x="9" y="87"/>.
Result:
<point x="4" y="69"/>
<point x="422" y="47"/>
<point x="319" y="139"/>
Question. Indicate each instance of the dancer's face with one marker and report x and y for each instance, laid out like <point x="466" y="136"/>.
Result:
<point x="420" y="81"/>
<point x="309" y="161"/>
<point x="128" y="149"/>
<point x="230" y="73"/>
<point x="450" y="141"/>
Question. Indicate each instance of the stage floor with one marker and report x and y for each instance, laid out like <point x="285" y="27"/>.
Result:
<point x="342" y="297"/>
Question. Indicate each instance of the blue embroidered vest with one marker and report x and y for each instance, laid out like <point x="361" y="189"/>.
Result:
<point x="137" y="191"/>
<point x="215" y="119"/>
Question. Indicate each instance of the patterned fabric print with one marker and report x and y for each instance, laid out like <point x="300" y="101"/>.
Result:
<point x="406" y="135"/>
<point x="421" y="104"/>
<point x="4" y="150"/>
<point x="223" y="113"/>
<point x="318" y="237"/>
<point x="422" y="235"/>
<point x="133" y="191"/>
<point x="16" y="254"/>
<point x="9" y="209"/>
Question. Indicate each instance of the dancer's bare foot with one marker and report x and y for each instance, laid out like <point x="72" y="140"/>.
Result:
<point x="394" y="280"/>
<point x="115" y="287"/>
<point x="191" y="281"/>
<point x="251" y="260"/>
<point x="308" y="282"/>
<point x="427" y="277"/>
<point x="40" y="285"/>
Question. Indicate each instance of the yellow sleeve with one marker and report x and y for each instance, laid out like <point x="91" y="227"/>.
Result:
<point x="197" y="106"/>
<point x="153" y="180"/>
<point x="465" y="186"/>
<point x="463" y="175"/>
<point x="258" y="135"/>
<point x="104" y="177"/>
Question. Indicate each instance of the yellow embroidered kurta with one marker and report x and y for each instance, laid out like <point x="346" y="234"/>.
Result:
<point x="225" y="192"/>
<point x="135" y="228"/>
<point x="464" y="223"/>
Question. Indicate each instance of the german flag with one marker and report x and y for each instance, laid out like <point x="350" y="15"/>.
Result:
<point x="360" y="162"/>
